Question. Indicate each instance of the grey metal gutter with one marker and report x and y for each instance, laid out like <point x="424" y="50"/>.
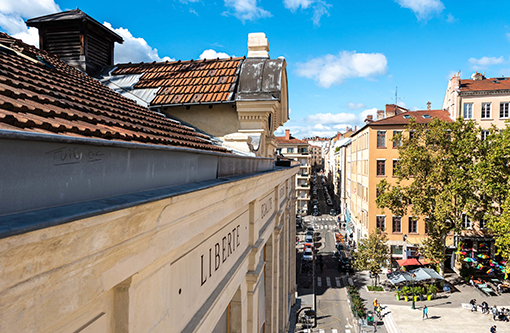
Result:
<point x="39" y="171"/>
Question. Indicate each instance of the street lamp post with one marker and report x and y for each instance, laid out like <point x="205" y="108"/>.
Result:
<point x="413" y="276"/>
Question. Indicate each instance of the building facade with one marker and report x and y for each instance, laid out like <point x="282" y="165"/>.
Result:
<point x="298" y="150"/>
<point x="374" y="156"/>
<point x="118" y="218"/>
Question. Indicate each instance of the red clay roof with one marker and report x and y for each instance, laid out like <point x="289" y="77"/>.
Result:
<point x="183" y="82"/>
<point x="58" y="99"/>
<point x="401" y="118"/>
<point x="485" y="84"/>
<point x="292" y="140"/>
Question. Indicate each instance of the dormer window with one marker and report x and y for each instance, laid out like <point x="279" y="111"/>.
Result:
<point x="426" y="116"/>
<point x="406" y="116"/>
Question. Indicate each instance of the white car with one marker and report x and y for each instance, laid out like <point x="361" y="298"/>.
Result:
<point x="308" y="254"/>
<point x="308" y="238"/>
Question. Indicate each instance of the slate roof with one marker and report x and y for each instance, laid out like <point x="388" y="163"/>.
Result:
<point x="403" y="118"/>
<point x="40" y="93"/>
<point x="501" y="83"/>
<point x="187" y="82"/>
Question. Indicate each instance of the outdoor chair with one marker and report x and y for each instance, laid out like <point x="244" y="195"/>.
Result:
<point x="485" y="289"/>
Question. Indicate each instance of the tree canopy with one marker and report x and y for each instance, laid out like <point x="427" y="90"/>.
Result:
<point x="373" y="254"/>
<point x="437" y="178"/>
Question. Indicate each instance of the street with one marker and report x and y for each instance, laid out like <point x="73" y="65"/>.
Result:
<point x="333" y="313"/>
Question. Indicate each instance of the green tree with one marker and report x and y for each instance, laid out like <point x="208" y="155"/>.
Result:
<point x="494" y="174"/>
<point x="373" y="254"/>
<point x="436" y="179"/>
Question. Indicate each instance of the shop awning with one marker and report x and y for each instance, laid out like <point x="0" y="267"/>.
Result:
<point x="398" y="277"/>
<point x="422" y="274"/>
<point x="408" y="262"/>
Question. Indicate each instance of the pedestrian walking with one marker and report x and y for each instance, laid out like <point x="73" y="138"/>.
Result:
<point x="378" y="311"/>
<point x="425" y="312"/>
<point x="485" y="307"/>
<point x="473" y="304"/>
<point x="495" y="312"/>
<point x="376" y="303"/>
<point x="375" y="326"/>
<point x="493" y="329"/>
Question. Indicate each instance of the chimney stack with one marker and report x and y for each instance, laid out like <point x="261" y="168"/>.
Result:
<point x="77" y="39"/>
<point x="428" y="105"/>
<point x="369" y="119"/>
<point x="287" y="134"/>
<point x="258" y="46"/>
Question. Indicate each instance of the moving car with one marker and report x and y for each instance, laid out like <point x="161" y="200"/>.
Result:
<point x="308" y="254"/>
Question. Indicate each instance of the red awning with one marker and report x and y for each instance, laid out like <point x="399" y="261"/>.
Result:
<point x="408" y="262"/>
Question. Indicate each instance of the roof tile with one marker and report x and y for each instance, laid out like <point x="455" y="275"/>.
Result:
<point x="65" y="101"/>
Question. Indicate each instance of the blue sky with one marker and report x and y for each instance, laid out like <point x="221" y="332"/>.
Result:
<point x="344" y="58"/>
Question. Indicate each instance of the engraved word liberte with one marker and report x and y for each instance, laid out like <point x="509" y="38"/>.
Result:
<point x="219" y="254"/>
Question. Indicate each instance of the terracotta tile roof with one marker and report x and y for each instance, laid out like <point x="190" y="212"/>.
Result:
<point x="292" y="140"/>
<point x="501" y="83"/>
<point x="187" y="82"/>
<point x="40" y="93"/>
<point x="403" y="118"/>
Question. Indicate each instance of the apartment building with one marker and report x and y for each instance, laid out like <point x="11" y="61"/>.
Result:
<point x="373" y="157"/>
<point x="298" y="150"/>
<point x="485" y="100"/>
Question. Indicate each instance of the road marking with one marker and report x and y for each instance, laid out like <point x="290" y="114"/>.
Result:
<point x="337" y="280"/>
<point x="319" y="281"/>
<point x="321" y="331"/>
<point x="334" y="330"/>
<point x="347" y="331"/>
<point x="328" y="281"/>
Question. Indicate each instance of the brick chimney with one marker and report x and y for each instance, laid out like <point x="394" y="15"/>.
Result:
<point x="258" y="45"/>
<point x="428" y="105"/>
<point x="287" y="134"/>
<point x="369" y="119"/>
<point x="478" y="76"/>
<point x="77" y="39"/>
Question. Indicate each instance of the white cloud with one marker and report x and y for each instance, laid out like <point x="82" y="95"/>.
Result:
<point x="188" y="1"/>
<point x="12" y="13"/>
<point x="485" y="62"/>
<point x="450" y="18"/>
<point x="192" y="11"/>
<point x="423" y="9"/>
<point x="211" y="54"/>
<point x="320" y="8"/>
<point x="331" y="69"/>
<point x="369" y="112"/>
<point x="246" y="10"/>
<point x="329" y="118"/>
<point x="134" y="49"/>
<point x="355" y="106"/>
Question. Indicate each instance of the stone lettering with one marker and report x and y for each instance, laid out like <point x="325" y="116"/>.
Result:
<point x="229" y="241"/>
<point x="222" y="251"/>
<point x="223" y="243"/>
<point x="266" y="208"/>
<point x="216" y="256"/>
<point x="202" y="279"/>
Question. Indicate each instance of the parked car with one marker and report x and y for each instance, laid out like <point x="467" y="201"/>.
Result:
<point x="332" y="212"/>
<point x="308" y="254"/>
<point x="309" y="239"/>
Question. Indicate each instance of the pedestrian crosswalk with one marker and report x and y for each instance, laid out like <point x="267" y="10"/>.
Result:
<point x="325" y="226"/>
<point x="337" y="281"/>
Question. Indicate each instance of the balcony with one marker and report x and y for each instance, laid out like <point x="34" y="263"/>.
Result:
<point x="299" y="175"/>
<point x="303" y="186"/>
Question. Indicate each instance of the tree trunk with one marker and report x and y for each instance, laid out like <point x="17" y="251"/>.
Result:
<point x="441" y="263"/>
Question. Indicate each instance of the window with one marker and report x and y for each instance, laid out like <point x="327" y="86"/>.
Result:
<point x="427" y="116"/>
<point x="397" y="224"/>
<point x="395" y="167"/>
<point x="278" y="151"/>
<point x="381" y="167"/>
<point x="380" y="222"/>
<point x="413" y="225"/>
<point x="411" y="134"/>
<point x="397" y="143"/>
<point x="484" y="135"/>
<point x="483" y="223"/>
<point x="503" y="110"/>
<point x="290" y="150"/>
<point x="468" y="110"/>
<point x="486" y="110"/>
<point x="381" y="139"/>
<point x="466" y="222"/>
<point x="406" y="116"/>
